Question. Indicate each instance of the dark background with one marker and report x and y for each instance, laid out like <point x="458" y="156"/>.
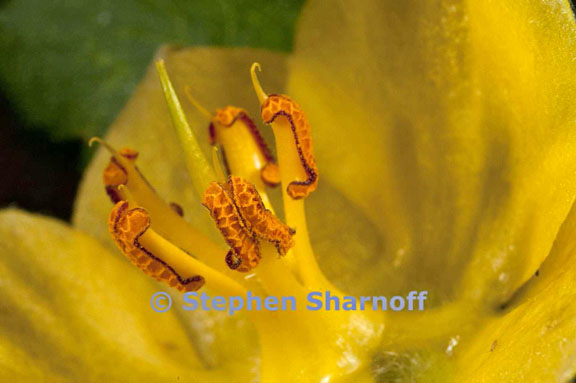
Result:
<point x="67" y="67"/>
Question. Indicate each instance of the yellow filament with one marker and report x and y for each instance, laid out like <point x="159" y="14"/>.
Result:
<point x="127" y="196"/>
<point x="332" y="334"/>
<point x="186" y="266"/>
<point x="262" y="96"/>
<point x="274" y="277"/>
<point x="220" y="174"/>
<point x="196" y="104"/>
<point x="294" y="210"/>
<point x="100" y="141"/>
<point x="166" y="221"/>
<point x="243" y="154"/>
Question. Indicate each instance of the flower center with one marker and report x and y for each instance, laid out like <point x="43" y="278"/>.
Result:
<point x="157" y="239"/>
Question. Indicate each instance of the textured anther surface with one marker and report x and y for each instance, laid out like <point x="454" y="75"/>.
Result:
<point x="244" y="252"/>
<point x="115" y="175"/>
<point x="281" y="105"/>
<point x="258" y="219"/>
<point x="243" y="220"/>
<point x="126" y="226"/>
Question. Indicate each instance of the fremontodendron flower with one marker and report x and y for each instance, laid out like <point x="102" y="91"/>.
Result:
<point x="434" y="148"/>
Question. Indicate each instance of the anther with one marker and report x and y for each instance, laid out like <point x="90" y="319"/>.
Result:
<point x="127" y="226"/>
<point x="258" y="219"/>
<point x="244" y="254"/>
<point x="281" y="106"/>
<point x="285" y="115"/>
<point x="243" y="221"/>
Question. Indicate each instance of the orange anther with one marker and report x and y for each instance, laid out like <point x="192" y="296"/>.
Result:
<point x="126" y="227"/>
<point x="115" y="174"/>
<point x="280" y="105"/>
<point x="243" y="220"/>
<point x="261" y="221"/>
<point x="244" y="254"/>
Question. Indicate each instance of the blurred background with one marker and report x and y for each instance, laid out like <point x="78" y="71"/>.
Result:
<point x="67" y="67"/>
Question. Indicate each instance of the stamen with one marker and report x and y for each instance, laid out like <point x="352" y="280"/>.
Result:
<point x="298" y="173"/>
<point x="115" y="174"/>
<point x="157" y="257"/>
<point x="243" y="220"/>
<point x="181" y="261"/>
<point x="246" y="151"/>
<point x="262" y="96"/>
<point x="126" y="227"/>
<point x="277" y="106"/>
<point x="240" y="139"/>
<point x="196" y="104"/>
<point x="270" y="174"/>
<point x="122" y="170"/>
<point x="258" y="219"/>
<point x="100" y="141"/>
<point x="244" y="254"/>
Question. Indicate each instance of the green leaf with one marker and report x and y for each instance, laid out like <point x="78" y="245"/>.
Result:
<point x="69" y="66"/>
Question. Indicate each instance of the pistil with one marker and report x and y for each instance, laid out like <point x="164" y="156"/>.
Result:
<point x="200" y="170"/>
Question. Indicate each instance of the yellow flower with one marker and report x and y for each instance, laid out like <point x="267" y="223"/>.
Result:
<point x="444" y="136"/>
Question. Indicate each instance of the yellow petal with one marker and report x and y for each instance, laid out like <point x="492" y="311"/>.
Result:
<point x="451" y="124"/>
<point x="534" y="340"/>
<point x="217" y="77"/>
<point x="71" y="311"/>
<point x="346" y="243"/>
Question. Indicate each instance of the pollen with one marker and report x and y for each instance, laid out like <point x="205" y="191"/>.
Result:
<point x="243" y="221"/>
<point x="244" y="252"/>
<point x="276" y="106"/>
<point x="261" y="221"/>
<point x="115" y="174"/>
<point x="127" y="225"/>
